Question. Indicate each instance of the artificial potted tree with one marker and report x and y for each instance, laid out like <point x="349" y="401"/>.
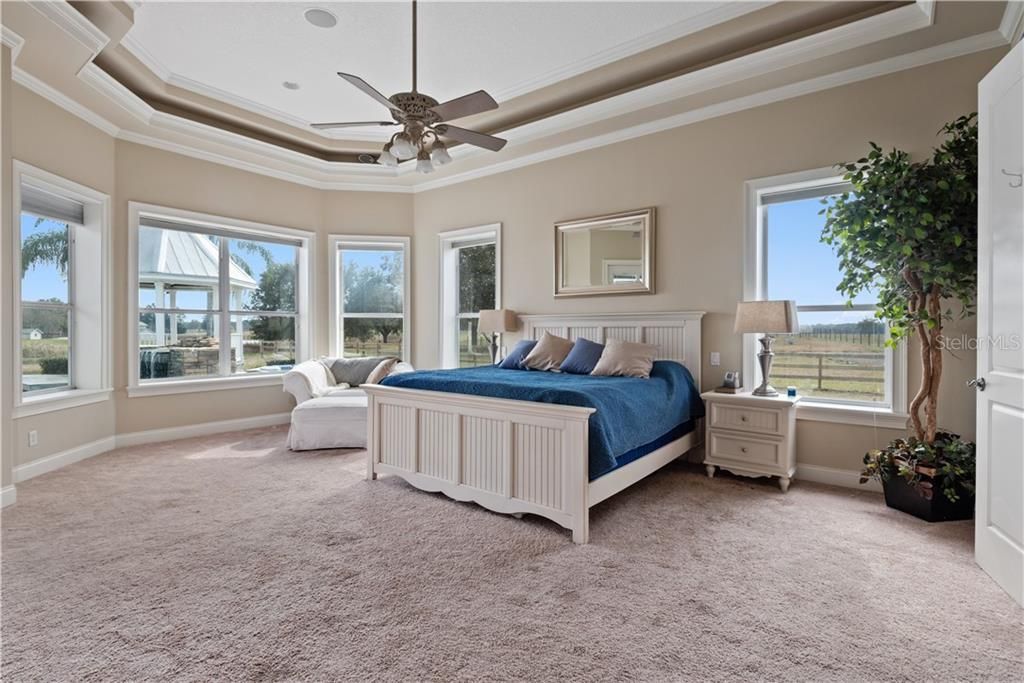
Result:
<point x="909" y="230"/>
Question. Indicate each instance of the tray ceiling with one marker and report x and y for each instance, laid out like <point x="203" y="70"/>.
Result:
<point x="244" y="53"/>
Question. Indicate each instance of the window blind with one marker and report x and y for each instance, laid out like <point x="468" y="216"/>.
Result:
<point x="44" y="204"/>
<point x="808" y="193"/>
<point x="154" y="222"/>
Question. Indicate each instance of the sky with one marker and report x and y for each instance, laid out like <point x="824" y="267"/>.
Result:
<point x="801" y="267"/>
<point x="42" y="281"/>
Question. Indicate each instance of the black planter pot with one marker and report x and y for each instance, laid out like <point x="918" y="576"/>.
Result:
<point x="902" y="496"/>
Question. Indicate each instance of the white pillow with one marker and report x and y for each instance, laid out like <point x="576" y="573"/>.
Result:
<point x="626" y="359"/>
<point x="548" y="354"/>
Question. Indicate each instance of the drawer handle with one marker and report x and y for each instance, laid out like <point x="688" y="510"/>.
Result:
<point x="743" y="449"/>
<point x="743" y="418"/>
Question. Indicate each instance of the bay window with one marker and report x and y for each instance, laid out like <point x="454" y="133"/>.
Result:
<point x="216" y="298"/>
<point x="370" y="296"/>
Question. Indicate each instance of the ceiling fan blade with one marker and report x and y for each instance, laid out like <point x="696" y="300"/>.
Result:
<point x="471" y="137"/>
<point x="473" y="103"/>
<point x="369" y="90"/>
<point x="351" y="124"/>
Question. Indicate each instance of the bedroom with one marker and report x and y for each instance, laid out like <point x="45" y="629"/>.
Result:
<point x="155" y="522"/>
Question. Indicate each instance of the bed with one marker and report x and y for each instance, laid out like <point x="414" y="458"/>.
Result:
<point x="553" y="445"/>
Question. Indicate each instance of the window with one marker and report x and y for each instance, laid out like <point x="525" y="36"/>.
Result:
<point x="370" y="292"/>
<point x="216" y="298"/>
<point x="839" y="357"/>
<point x="63" y="316"/>
<point x="470" y="273"/>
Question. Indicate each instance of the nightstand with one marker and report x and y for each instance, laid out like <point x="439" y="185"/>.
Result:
<point x="752" y="436"/>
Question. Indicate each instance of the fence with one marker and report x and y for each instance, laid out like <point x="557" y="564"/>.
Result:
<point x="831" y="369"/>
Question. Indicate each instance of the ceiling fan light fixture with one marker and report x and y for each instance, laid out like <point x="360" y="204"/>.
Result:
<point x="402" y="146"/>
<point x="386" y="158"/>
<point x="439" y="154"/>
<point x="423" y="164"/>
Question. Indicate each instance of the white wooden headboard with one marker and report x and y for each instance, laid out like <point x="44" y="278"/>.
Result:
<point x="676" y="334"/>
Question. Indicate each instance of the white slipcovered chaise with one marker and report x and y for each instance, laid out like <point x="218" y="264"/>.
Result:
<point x="326" y="415"/>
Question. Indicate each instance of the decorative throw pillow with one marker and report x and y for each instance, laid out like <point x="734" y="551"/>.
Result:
<point x="514" y="360"/>
<point x="626" y="359"/>
<point x="583" y="357"/>
<point x="383" y="369"/>
<point x="352" y="371"/>
<point x="549" y="353"/>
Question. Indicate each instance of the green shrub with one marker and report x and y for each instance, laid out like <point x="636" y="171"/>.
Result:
<point x="54" y="366"/>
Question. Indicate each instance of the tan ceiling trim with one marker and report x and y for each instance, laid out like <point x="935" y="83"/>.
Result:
<point x="12" y="40"/>
<point x="73" y="23"/>
<point x="938" y="53"/>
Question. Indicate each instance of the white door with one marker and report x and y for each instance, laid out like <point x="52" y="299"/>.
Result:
<point x="999" y="523"/>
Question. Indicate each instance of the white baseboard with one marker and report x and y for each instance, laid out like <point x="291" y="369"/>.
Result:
<point x="8" y="495"/>
<point x="53" y="462"/>
<point x="201" y="429"/>
<point x="835" y="477"/>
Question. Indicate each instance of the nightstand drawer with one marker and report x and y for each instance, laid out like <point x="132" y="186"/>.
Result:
<point x="760" y="420"/>
<point x="739" y="449"/>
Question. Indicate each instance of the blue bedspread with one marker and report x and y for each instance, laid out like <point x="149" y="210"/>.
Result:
<point x="631" y="412"/>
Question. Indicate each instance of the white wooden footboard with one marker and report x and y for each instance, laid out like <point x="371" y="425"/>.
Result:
<point x="508" y="456"/>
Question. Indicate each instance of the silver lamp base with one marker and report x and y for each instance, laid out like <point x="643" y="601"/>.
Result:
<point x="494" y="349"/>
<point x="765" y="357"/>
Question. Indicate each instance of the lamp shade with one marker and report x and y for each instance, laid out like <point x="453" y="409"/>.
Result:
<point x="500" y="320"/>
<point x="769" y="317"/>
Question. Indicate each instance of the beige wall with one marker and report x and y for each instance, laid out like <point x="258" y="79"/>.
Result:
<point x="695" y="176"/>
<point x="50" y="138"/>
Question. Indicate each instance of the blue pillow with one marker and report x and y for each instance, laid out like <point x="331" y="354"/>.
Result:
<point x="583" y="357"/>
<point x="514" y="360"/>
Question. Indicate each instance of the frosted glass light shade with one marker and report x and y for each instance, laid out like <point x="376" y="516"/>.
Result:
<point x="402" y="147"/>
<point x="423" y="164"/>
<point x="386" y="158"/>
<point x="439" y="154"/>
<point x="768" y="317"/>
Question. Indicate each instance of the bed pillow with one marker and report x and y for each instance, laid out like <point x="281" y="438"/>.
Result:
<point x="583" y="357"/>
<point x="548" y="354"/>
<point x="352" y="371"/>
<point x="626" y="359"/>
<point x="383" y="369"/>
<point x="514" y="360"/>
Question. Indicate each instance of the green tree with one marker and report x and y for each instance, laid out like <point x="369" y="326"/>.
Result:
<point x="374" y="289"/>
<point x="46" y="247"/>
<point x="276" y="293"/>
<point x="910" y="231"/>
<point x="476" y="285"/>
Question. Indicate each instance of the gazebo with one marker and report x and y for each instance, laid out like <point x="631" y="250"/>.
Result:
<point x="174" y="261"/>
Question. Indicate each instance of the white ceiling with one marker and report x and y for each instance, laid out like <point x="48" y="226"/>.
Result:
<point x="241" y="52"/>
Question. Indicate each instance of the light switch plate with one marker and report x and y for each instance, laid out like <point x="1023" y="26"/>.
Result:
<point x="716" y="359"/>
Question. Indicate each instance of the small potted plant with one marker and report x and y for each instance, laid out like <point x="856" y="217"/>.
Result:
<point x="908" y="230"/>
<point x="932" y="481"/>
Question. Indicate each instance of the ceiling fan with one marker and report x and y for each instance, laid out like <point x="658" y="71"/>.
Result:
<point x="423" y="121"/>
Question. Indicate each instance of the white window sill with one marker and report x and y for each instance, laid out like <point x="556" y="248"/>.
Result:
<point x="187" y="386"/>
<point x="60" y="400"/>
<point x="884" y="418"/>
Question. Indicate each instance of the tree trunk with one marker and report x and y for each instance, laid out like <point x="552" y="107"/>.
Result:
<point x="914" y="306"/>
<point x="935" y="338"/>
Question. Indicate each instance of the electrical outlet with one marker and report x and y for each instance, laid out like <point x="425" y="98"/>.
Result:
<point x="33" y="438"/>
<point x="716" y="359"/>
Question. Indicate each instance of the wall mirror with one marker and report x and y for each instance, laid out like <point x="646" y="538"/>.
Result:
<point x="611" y="254"/>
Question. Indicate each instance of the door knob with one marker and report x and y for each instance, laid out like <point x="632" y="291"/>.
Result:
<point x="978" y="383"/>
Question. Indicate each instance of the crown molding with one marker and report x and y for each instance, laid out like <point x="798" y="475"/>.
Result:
<point x="73" y="23"/>
<point x="139" y="51"/>
<point x="22" y="77"/>
<point x="1012" y="25"/>
<point x="113" y="90"/>
<point x="11" y="40"/>
<point x="938" y="53"/>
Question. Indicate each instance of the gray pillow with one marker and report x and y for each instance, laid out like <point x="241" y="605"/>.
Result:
<point x="352" y="371"/>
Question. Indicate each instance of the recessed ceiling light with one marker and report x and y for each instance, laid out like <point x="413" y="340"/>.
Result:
<point x="321" y="18"/>
<point x="291" y="85"/>
<point x="367" y="159"/>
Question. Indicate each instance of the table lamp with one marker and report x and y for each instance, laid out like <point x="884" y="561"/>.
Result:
<point x="768" y="318"/>
<point x="496" y="322"/>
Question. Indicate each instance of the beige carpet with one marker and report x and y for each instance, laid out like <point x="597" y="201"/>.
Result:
<point x="230" y="558"/>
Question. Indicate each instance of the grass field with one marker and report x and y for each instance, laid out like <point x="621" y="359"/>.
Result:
<point x="34" y="350"/>
<point x="831" y="368"/>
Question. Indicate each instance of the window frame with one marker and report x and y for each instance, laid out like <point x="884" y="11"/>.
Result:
<point x="339" y="242"/>
<point x="229" y="228"/>
<point x="450" y="242"/>
<point x="89" y="246"/>
<point x="890" y="413"/>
